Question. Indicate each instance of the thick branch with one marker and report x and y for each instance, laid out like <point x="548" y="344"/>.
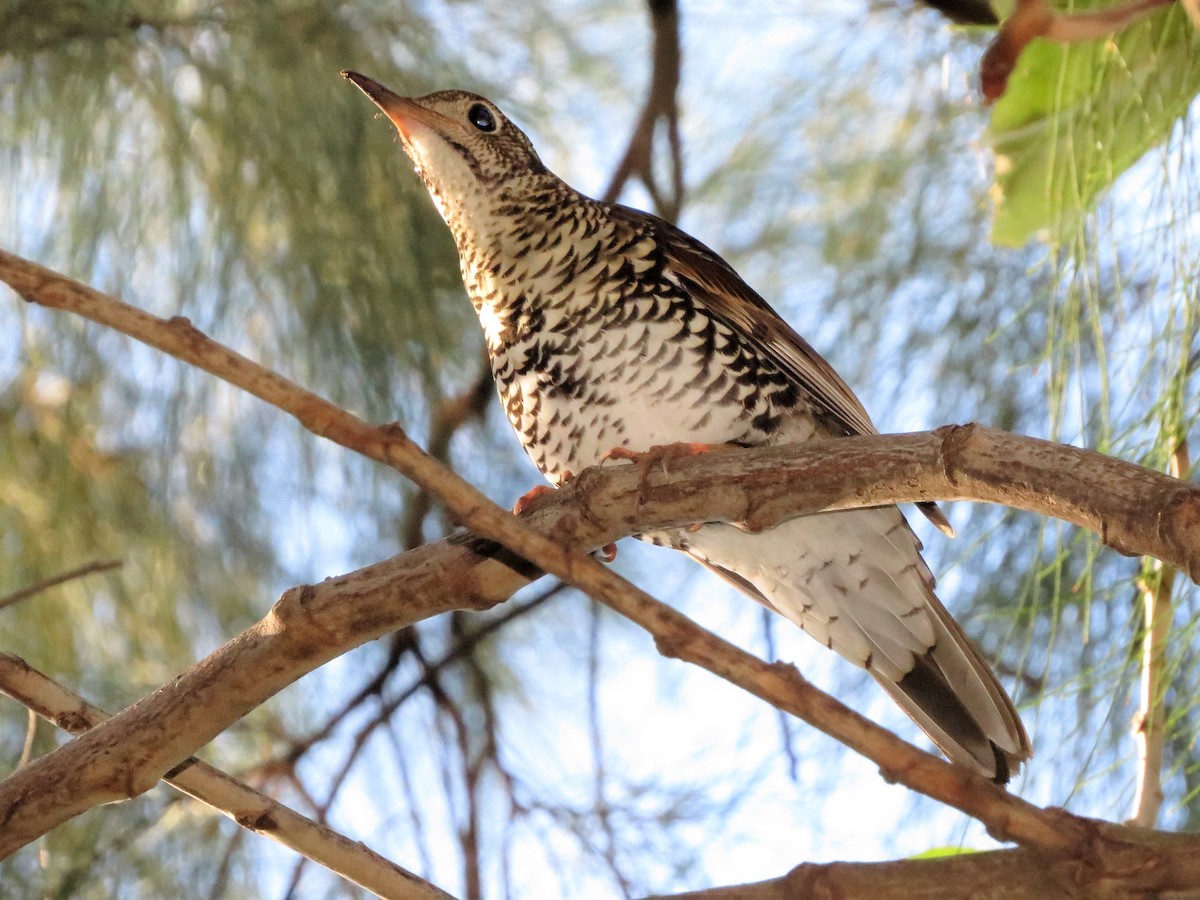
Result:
<point x="1009" y="874"/>
<point x="312" y="624"/>
<point x="1134" y="510"/>
<point x="251" y="809"/>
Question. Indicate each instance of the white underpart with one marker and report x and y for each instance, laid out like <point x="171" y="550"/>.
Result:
<point x="839" y="577"/>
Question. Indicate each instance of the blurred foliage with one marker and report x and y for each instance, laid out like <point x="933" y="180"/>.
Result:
<point x="204" y="159"/>
<point x="1076" y="116"/>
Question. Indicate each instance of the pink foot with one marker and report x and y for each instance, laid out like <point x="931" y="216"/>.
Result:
<point x="608" y="552"/>
<point x="526" y="500"/>
<point x="658" y="453"/>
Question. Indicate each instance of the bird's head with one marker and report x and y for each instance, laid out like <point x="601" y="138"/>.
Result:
<point x="470" y="156"/>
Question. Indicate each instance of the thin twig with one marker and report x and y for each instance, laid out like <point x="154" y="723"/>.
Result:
<point x="30" y="735"/>
<point x="1150" y="721"/>
<point x="768" y="620"/>
<point x="461" y="649"/>
<point x="400" y="644"/>
<point x="607" y="837"/>
<point x="252" y="810"/>
<point x="54" y="581"/>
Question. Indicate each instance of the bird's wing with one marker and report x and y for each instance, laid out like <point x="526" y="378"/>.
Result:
<point x="714" y="283"/>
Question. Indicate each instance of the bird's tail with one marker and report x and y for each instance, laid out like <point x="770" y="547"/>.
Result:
<point x="856" y="582"/>
<point x="954" y="696"/>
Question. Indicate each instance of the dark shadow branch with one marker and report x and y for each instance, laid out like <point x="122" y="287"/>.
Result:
<point x="285" y="764"/>
<point x="965" y="12"/>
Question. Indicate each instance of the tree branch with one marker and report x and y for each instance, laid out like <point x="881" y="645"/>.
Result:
<point x="661" y="105"/>
<point x="312" y="624"/>
<point x="1010" y="874"/>
<point x="965" y="12"/>
<point x="1034" y="18"/>
<point x="386" y="444"/>
<point x="251" y="809"/>
<point x="45" y="584"/>
<point x="1133" y="509"/>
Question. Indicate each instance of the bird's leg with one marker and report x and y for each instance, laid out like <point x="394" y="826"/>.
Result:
<point x="660" y="453"/>
<point x="608" y="552"/>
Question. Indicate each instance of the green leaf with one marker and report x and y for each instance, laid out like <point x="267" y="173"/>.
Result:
<point x="940" y="852"/>
<point x="1075" y="117"/>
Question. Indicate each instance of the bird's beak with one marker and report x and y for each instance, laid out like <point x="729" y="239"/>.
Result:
<point x="403" y="112"/>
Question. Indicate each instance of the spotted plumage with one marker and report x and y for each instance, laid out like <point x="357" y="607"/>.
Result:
<point x="610" y="329"/>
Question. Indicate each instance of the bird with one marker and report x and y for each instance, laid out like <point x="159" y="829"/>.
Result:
<point x="610" y="332"/>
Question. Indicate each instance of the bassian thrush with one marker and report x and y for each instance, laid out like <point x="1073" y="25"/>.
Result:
<point x="610" y="332"/>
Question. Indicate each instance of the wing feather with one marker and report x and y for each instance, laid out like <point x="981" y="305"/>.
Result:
<point x="727" y="297"/>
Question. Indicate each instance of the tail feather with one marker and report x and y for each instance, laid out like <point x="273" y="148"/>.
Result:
<point x="856" y="582"/>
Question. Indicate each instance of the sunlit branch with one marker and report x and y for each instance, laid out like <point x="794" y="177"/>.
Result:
<point x="1013" y="874"/>
<point x="251" y="809"/>
<point x="451" y="414"/>
<point x="389" y="445"/>
<point x="311" y="624"/>
<point x="30" y="737"/>
<point x="386" y="444"/>
<point x="1133" y="509"/>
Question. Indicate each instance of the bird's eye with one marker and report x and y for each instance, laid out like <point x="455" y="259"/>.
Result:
<point x="481" y="117"/>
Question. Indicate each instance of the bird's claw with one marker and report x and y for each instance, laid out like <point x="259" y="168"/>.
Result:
<point x="526" y="500"/>
<point x="607" y="553"/>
